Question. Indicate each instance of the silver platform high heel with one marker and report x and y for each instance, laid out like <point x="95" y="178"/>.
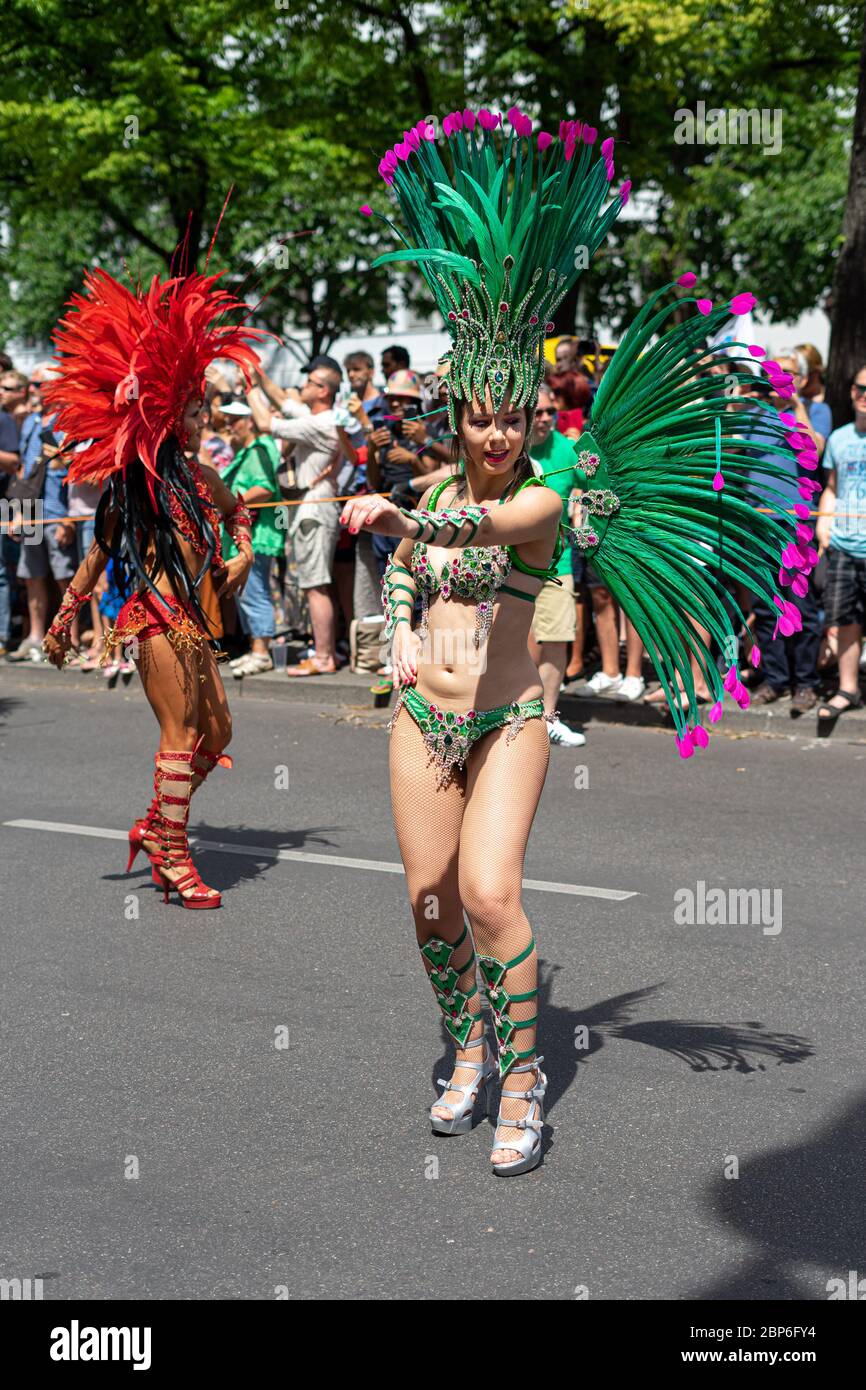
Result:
<point x="462" y="1112"/>
<point x="529" y="1143"/>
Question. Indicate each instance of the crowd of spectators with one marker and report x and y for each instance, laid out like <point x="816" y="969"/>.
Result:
<point x="832" y="604"/>
<point x="344" y="431"/>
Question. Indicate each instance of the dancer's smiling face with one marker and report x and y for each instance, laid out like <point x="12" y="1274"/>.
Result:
<point x="193" y="423"/>
<point x="493" y="439"/>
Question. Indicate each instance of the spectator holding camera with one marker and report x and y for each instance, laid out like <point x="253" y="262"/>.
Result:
<point x="365" y="399"/>
<point x="308" y="421"/>
<point x="393" y="459"/>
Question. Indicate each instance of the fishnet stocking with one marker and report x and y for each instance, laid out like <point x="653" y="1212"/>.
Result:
<point x="427" y="820"/>
<point x="463" y="848"/>
<point x="503" y="787"/>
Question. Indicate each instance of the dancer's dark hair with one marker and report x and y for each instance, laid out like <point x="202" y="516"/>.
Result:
<point x="138" y="523"/>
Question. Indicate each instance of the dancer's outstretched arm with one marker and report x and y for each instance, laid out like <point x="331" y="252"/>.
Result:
<point x="534" y="515"/>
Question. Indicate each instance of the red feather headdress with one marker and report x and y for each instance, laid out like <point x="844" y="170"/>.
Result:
<point x="129" y="363"/>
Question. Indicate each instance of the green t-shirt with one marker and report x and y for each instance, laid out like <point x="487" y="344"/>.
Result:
<point x="256" y="466"/>
<point x="554" y="454"/>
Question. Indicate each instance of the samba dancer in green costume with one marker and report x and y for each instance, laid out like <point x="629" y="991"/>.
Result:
<point x="500" y="237"/>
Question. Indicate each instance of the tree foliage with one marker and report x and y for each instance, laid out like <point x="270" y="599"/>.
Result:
<point x="122" y="128"/>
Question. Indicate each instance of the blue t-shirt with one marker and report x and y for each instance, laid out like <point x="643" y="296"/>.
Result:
<point x="820" y="417"/>
<point x="54" y="492"/>
<point x="754" y="426"/>
<point x="8" y="445"/>
<point x="846" y="452"/>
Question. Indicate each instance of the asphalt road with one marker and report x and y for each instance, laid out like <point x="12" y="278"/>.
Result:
<point x="706" y="1133"/>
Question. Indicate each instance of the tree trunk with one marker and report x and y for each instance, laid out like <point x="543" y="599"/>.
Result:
<point x="848" y="309"/>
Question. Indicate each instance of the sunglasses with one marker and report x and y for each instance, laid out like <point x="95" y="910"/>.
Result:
<point x="860" y="388"/>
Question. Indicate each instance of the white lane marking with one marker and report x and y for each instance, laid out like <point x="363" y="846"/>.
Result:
<point x="301" y="856"/>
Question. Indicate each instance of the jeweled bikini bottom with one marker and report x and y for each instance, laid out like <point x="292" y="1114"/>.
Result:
<point x="451" y="734"/>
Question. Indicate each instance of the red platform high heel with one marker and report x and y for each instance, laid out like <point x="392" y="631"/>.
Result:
<point x="174" y="850"/>
<point x="147" y="828"/>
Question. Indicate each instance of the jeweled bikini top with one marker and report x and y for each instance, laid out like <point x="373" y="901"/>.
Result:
<point x="476" y="571"/>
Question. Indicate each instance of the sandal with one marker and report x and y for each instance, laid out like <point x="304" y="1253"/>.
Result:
<point x="529" y="1144"/>
<point x="310" y="667"/>
<point x="445" y="978"/>
<point x="174" y="854"/>
<point x="830" y="713"/>
<point x="461" y="1112"/>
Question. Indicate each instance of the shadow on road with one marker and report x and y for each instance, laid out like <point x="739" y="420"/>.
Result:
<point x="226" y="871"/>
<point x="570" y="1037"/>
<point x="803" y="1203"/>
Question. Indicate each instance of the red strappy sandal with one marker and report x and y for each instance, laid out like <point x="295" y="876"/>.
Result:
<point x="147" y="827"/>
<point x="174" y="847"/>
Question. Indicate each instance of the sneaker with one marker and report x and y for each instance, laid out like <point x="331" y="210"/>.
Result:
<point x="632" y="688"/>
<point x="252" y="665"/>
<point x="600" y="685"/>
<point x="22" y="653"/>
<point x="561" y="733"/>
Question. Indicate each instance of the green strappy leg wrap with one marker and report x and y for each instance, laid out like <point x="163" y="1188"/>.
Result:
<point x="494" y="972"/>
<point x="444" y="978"/>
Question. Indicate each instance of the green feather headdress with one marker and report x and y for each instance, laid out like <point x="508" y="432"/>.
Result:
<point x="500" y="239"/>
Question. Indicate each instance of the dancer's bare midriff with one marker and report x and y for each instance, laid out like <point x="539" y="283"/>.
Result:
<point x="455" y="673"/>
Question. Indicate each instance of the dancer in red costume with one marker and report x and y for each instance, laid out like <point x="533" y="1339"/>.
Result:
<point x="129" y="396"/>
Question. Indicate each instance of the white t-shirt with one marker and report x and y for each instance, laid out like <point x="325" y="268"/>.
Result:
<point x="315" y="440"/>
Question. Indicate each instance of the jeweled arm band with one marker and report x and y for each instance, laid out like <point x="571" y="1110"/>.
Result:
<point x="67" y="612"/>
<point x="397" y="594"/>
<point x="451" y="527"/>
<point x="239" y="525"/>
